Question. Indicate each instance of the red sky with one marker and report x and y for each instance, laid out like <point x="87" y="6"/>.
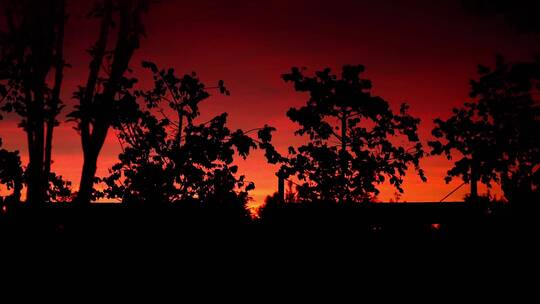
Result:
<point x="421" y="52"/>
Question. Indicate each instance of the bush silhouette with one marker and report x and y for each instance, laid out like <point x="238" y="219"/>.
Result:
<point x="496" y="133"/>
<point x="168" y="160"/>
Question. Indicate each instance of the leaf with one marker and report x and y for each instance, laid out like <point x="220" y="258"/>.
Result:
<point x="150" y="65"/>
<point x="250" y="186"/>
<point x="265" y="134"/>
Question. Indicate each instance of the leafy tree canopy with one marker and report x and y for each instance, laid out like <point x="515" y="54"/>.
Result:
<point x="354" y="138"/>
<point x="168" y="159"/>
<point x="496" y="134"/>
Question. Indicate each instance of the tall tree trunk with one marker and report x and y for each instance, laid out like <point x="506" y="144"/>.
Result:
<point x="48" y="157"/>
<point x="90" y="157"/>
<point x="180" y="130"/>
<point x="35" y="137"/>
<point x="127" y="42"/>
<point x="18" y="181"/>
<point x="474" y="179"/>
<point x="30" y="171"/>
<point x="281" y="187"/>
<point x="36" y="27"/>
<point x="86" y="185"/>
<point x="17" y="190"/>
<point x="42" y="33"/>
<point x="55" y="98"/>
<point x="39" y="146"/>
<point x="343" y="152"/>
<point x="35" y="140"/>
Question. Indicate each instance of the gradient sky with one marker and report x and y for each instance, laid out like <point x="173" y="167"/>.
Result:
<point x="420" y="52"/>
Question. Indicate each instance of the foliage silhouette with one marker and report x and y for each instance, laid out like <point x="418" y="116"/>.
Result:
<point x="168" y="160"/>
<point x="32" y="67"/>
<point x="106" y="87"/>
<point x="59" y="190"/>
<point x="352" y="138"/>
<point x="497" y="133"/>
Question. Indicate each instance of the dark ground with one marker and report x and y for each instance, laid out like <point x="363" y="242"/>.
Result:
<point x="296" y="225"/>
<point x="301" y="250"/>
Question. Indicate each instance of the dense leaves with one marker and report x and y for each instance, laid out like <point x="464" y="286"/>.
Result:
<point x="496" y="135"/>
<point x="353" y="138"/>
<point x="177" y="159"/>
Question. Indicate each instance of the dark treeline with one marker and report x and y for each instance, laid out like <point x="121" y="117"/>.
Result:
<point x="176" y="172"/>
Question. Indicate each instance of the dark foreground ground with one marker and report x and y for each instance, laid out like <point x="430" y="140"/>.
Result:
<point x="294" y="226"/>
<point x="306" y="250"/>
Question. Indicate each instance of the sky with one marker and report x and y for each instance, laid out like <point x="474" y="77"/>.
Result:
<point x="420" y="52"/>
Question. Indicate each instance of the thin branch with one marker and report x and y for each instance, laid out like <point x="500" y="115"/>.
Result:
<point x="160" y="110"/>
<point x="252" y="130"/>
<point x="120" y="141"/>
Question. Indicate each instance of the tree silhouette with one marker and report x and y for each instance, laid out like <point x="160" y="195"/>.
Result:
<point x="496" y="134"/>
<point x="168" y="160"/>
<point x="106" y="87"/>
<point x="352" y="138"/>
<point x="31" y="49"/>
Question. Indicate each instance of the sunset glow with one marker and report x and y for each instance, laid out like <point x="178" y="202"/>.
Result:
<point x="423" y="54"/>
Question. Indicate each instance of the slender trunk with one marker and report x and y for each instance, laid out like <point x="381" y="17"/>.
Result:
<point x="474" y="188"/>
<point x="30" y="172"/>
<point x="474" y="179"/>
<point x="343" y="152"/>
<point x="90" y="157"/>
<point x="177" y="157"/>
<point x="39" y="149"/>
<point x="17" y="190"/>
<point x="180" y="129"/>
<point x="48" y="152"/>
<point x="281" y="187"/>
<point x="35" y="155"/>
<point x="55" y="102"/>
<point x="93" y="148"/>
<point x="35" y="150"/>
<point x="41" y="45"/>
<point x="127" y="42"/>
<point x="86" y="185"/>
